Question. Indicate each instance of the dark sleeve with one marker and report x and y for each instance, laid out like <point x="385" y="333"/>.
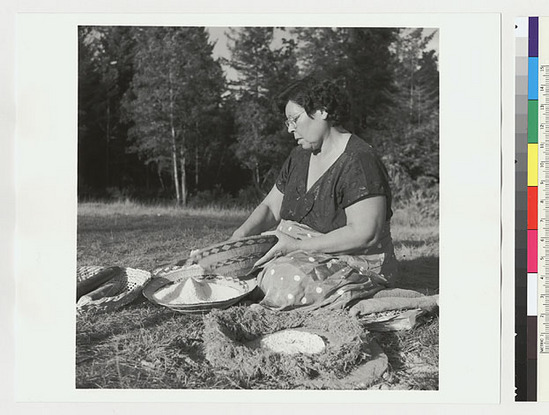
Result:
<point x="363" y="176"/>
<point x="284" y="173"/>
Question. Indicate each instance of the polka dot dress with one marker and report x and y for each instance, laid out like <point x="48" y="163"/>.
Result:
<point x="314" y="280"/>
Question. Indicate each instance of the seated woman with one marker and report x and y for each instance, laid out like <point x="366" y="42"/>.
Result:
<point x="331" y="204"/>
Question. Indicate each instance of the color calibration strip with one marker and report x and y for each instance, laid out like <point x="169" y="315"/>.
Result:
<point x="532" y="209"/>
<point x="522" y="189"/>
<point x="533" y="175"/>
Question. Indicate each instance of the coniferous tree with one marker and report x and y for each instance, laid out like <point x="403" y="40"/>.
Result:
<point x="105" y="69"/>
<point x="263" y="70"/>
<point x="176" y="87"/>
<point x="412" y="144"/>
<point x="359" y="59"/>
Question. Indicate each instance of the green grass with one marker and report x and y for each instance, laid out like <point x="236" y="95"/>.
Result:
<point x="146" y="346"/>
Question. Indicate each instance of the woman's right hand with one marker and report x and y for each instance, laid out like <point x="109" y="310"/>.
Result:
<point x="238" y="234"/>
<point x="285" y="245"/>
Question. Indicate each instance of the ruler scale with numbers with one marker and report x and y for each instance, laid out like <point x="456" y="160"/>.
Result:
<point x="543" y="218"/>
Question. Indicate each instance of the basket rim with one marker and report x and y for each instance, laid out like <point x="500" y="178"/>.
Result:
<point x="200" y="252"/>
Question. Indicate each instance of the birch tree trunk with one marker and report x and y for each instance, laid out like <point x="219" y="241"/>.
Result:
<point x="256" y="164"/>
<point x="174" y="144"/>
<point x="256" y="176"/>
<point x="183" y="175"/>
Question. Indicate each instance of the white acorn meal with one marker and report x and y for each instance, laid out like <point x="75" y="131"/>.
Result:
<point x="193" y="291"/>
<point x="292" y="342"/>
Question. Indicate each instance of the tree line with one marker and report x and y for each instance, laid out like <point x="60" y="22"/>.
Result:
<point x="158" y="119"/>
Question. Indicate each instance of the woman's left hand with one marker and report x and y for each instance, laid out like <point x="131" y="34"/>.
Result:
<point x="285" y="245"/>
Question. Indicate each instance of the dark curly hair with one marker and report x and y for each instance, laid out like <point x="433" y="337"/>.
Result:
<point x="314" y="95"/>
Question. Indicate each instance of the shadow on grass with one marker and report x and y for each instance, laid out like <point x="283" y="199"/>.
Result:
<point x="419" y="274"/>
<point x="415" y="243"/>
<point x="404" y="349"/>
<point x="411" y="351"/>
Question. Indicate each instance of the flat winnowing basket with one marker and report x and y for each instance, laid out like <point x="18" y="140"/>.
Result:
<point x="120" y="287"/>
<point x="186" y="289"/>
<point x="233" y="258"/>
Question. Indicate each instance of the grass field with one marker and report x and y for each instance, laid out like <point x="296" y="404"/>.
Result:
<point x="144" y="346"/>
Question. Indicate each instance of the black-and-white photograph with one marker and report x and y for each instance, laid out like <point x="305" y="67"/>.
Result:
<point x="258" y="208"/>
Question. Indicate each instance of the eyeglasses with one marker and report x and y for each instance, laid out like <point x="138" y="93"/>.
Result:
<point x="292" y="121"/>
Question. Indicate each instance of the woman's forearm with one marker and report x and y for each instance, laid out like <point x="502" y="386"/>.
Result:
<point x="365" y="221"/>
<point x="344" y="240"/>
<point x="261" y="220"/>
<point x="264" y="217"/>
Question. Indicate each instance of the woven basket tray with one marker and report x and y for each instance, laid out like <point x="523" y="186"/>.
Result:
<point x="119" y="286"/>
<point x="234" y="258"/>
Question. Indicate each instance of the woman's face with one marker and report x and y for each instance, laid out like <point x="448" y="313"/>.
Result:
<point x="308" y="131"/>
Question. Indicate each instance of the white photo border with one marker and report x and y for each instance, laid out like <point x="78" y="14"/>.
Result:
<point x="470" y="175"/>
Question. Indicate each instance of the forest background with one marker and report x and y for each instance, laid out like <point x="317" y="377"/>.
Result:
<point x="160" y="119"/>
